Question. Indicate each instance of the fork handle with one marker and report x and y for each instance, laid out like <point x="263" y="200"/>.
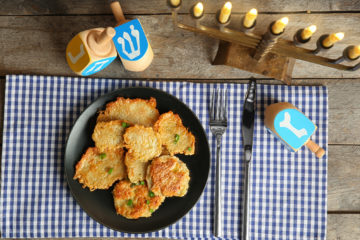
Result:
<point x="218" y="190"/>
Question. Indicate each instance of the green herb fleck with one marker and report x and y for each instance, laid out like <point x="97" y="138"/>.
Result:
<point x="133" y="185"/>
<point x="151" y="210"/>
<point x="124" y="125"/>
<point x="147" y="202"/>
<point x="177" y="137"/>
<point x="110" y="170"/>
<point x="102" y="155"/>
<point x="142" y="183"/>
<point x="151" y="194"/>
<point x="189" y="149"/>
<point x="129" y="202"/>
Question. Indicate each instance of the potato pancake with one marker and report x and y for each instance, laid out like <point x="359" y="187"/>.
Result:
<point x="100" y="169"/>
<point x="134" y="111"/>
<point x="136" y="169"/>
<point x="109" y="134"/>
<point x="135" y="200"/>
<point x="174" y="136"/>
<point x="142" y="142"/>
<point x="168" y="176"/>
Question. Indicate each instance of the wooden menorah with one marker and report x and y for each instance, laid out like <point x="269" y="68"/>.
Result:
<point x="269" y="54"/>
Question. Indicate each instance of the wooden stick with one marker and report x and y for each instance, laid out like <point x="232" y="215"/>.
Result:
<point x="319" y="152"/>
<point x="106" y="36"/>
<point x="118" y="13"/>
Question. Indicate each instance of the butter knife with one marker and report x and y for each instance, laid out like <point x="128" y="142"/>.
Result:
<point x="247" y="129"/>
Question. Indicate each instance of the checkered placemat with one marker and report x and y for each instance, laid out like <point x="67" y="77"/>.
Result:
<point x="289" y="190"/>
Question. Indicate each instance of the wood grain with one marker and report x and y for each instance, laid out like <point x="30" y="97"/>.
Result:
<point x="37" y="45"/>
<point x="344" y="178"/>
<point x="343" y="227"/>
<point x="63" y="7"/>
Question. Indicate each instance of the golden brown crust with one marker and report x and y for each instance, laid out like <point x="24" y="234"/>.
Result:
<point x="169" y="126"/>
<point x="168" y="176"/>
<point x="142" y="142"/>
<point x="135" y="111"/>
<point x="134" y="201"/>
<point x="136" y="169"/>
<point x="109" y="134"/>
<point x="100" y="169"/>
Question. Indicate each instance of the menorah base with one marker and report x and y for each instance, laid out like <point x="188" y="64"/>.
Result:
<point x="272" y="65"/>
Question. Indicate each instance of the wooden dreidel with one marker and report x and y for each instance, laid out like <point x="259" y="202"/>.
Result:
<point x="91" y="51"/>
<point x="292" y="127"/>
<point x="131" y="42"/>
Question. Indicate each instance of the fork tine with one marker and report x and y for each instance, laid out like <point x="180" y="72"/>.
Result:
<point x="226" y="104"/>
<point x="212" y="106"/>
<point x="221" y="105"/>
<point x="218" y="104"/>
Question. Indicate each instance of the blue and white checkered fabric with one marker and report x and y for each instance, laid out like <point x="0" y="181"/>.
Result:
<point x="289" y="190"/>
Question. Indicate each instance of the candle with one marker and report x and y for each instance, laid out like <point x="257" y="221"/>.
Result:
<point x="225" y="12"/>
<point x="175" y="3"/>
<point x="332" y="38"/>
<point x="354" y="52"/>
<point x="198" y="9"/>
<point x="279" y="26"/>
<point x="250" y="18"/>
<point x="308" y="32"/>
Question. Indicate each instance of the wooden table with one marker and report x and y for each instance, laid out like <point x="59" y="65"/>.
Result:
<point x="34" y="35"/>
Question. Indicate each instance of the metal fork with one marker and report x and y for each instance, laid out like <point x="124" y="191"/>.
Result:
<point x="218" y="125"/>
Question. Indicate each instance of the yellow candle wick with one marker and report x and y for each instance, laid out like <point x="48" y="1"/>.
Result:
<point x="308" y="32"/>
<point x="354" y="52"/>
<point x="279" y="26"/>
<point x="225" y="12"/>
<point x="250" y="18"/>
<point x="333" y="38"/>
<point x="198" y="9"/>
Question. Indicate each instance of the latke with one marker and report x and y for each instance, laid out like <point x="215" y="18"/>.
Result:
<point x="174" y="136"/>
<point x="168" y="176"/>
<point x="100" y="169"/>
<point x="134" y="111"/>
<point x="133" y="201"/>
<point x="109" y="134"/>
<point x="142" y="142"/>
<point x="136" y="169"/>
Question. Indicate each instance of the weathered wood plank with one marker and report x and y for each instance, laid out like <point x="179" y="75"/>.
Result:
<point x="344" y="178"/>
<point x="343" y="226"/>
<point x="37" y="45"/>
<point x="63" y="7"/>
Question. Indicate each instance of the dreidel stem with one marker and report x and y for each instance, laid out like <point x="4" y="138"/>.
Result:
<point x="118" y="12"/>
<point x="319" y="152"/>
<point x="100" y="42"/>
<point x="106" y="36"/>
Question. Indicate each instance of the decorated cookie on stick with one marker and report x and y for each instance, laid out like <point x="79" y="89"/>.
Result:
<point x="292" y="127"/>
<point x="131" y="42"/>
<point x="91" y="51"/>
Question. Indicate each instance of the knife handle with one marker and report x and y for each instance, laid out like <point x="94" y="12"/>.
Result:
<point x="246" y="195"/>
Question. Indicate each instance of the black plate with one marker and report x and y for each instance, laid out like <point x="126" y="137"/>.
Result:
<point x="99" y="204"/>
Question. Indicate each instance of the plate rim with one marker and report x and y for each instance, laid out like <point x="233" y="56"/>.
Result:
<point x="75" y="122"/>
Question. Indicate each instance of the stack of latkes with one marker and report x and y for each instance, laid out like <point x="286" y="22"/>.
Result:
<point x="136" y="145"/>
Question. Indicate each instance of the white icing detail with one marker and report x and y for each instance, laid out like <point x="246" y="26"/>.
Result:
<point x="135" y="33"/>
<point x="77" y="57"/>
<point x="286" y="124"/>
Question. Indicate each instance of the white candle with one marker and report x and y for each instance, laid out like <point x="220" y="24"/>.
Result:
<point x="225" y="12"/>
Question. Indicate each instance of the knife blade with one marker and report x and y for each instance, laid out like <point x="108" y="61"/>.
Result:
<point x="247" y="129"/>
